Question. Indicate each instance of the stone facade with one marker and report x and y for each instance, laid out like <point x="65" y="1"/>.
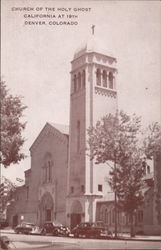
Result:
<point x="43" y="197"/>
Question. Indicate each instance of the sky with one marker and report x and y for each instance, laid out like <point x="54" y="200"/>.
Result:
<point x="36" y="59"/>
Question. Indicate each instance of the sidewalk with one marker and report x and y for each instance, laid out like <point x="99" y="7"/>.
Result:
<point x="120" y="237"/>
<point x="140" y="237"/>
<point x="7" y="230"/>
<point x="25" y="245"/>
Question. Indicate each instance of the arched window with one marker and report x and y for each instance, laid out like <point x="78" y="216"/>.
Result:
<point x="79" y="81"/>
<point x="48" y="171"/>
<point x="47" y="168"/>
<point x="104" y="79"/>
<point x="111" y="77"/>
<point x="84" y="79"/>
<point x="98" y="77"/>
<point x="75" y="83"/>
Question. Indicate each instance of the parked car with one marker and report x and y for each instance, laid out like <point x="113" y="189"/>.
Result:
<point x="25" y="228"/>
<point x="64" y="231"/>
<point x="36" y="230"/>
<point x="3" y="224"/>
<point x="91" y="230"/>
<point x="55" y="228"/>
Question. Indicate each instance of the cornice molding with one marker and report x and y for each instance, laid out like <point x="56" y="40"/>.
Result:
<point x="106" y="92"/>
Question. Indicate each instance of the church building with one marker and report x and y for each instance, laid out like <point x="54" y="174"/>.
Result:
<point x="63" y="184"/>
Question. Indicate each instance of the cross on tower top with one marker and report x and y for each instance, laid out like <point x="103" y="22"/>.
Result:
<point x="93" y="26"/>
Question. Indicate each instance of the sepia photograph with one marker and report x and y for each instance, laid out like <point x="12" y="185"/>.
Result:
<point x="80" y="138"/>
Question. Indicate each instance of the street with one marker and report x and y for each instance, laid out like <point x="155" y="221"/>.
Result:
<point x="21" y="241"/>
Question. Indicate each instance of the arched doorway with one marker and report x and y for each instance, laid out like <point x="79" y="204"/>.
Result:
<point x="76" y="212"/>
<point x="46" y="208"/>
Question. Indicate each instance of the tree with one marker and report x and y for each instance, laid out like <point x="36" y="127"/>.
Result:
<point x="152" y="140"/>
<point x="11" y="127"/>
<point x="116" y="138"/>
<point x="152" y="145"/>
<point x="7" y="189"/>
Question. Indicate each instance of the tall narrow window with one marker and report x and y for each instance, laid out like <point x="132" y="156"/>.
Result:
<point x="46" y="174"/>
<point x="111" y="77"/>
<point x="148" y="169"/>
<point x="75" y="83"/>
<point x="98" y="77"/>
<point x="27" y="193"/>
<point x="49" y="171"/>
<point x="104" y="79"/>
<point x="83" y="79"/>
<point x="79" y="81"/>
<point x="78" y="136"/>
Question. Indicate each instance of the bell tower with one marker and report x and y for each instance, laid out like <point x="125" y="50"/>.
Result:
<point x="93" y="94"/>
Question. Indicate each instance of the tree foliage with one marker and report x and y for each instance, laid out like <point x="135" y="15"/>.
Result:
<point x="11" y="127"/>
<point x="7" y="190"/>
<point x="152" y="140"/>
<point x="116" y="138"/>
<point x="152" y="144"/>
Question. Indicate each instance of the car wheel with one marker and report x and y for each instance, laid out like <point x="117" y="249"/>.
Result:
<point x="43" y="232"/>
<point x="82" y="236"/>
<point x="76" y="235"/>
<point x="55" y="233"/>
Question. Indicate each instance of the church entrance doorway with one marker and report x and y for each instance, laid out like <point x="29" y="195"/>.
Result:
<point x="76" y="214"/>
<point x="48" y="214"/>
<point x="15" y="221"/>
<point x="46" y="208"/>
<point x="75" y="220"/>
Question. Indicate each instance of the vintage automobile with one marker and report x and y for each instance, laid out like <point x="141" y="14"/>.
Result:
<point x="91" y="230"/>
<point x="3" y="223"/>
<point x="36" y="230"/>
<point x="25" y="228"/>
<point x="55" y="228"/>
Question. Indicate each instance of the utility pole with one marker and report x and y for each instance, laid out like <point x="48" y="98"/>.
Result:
<point x="115" y="202"/>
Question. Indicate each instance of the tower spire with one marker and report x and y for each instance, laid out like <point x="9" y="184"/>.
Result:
<point x="93" y="26"/>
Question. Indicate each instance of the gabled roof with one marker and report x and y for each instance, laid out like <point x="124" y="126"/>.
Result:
<point x="59" y="128"/>
<point x="64" y="129"/>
